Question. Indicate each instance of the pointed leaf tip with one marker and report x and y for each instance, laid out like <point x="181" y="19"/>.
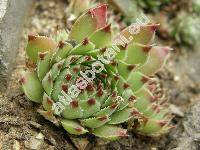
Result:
<point x="99" y="13"/>
<point x="94" y="19"/>
<point x="110" y="132"/>
<point x="38" y="44"/>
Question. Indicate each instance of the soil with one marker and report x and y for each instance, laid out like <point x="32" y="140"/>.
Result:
<point x="21" y="127"/>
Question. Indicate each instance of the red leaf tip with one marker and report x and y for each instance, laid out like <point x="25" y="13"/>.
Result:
<point x="85" y="41"/>
<point x="145" y="79"/>
<point x="22" y="81"/>
<point x="91" y="101"/>
<point x="107" y="28"/>
<point x="99" y="13"/>
<point x="61" y="44"/>
<point x="146" y="49"/>
<point x="65" y="88"/>
<point x="74" y="104"/>
<point x="154" y="27"/>
<point x="31" y="37"/>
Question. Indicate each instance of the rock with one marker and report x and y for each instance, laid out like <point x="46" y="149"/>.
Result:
<point x="80" y="143"/>
<point x="176" y="110"/>
<point x="190" y="136"/>
<point x="16" y="145"/>
<point x="12" y="18"/>
<point x="35" y="142"/>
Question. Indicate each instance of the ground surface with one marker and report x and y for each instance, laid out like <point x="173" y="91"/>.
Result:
<point x="21" y="127"/>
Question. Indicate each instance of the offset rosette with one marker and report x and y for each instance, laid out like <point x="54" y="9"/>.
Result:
<point x="92" y="82"/>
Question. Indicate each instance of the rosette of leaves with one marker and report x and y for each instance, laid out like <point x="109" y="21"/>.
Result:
<point x="196" y="6"/>
<point x="186" y="30"/>
<point x="97" y="108"/>
<point x="153" y="5"/>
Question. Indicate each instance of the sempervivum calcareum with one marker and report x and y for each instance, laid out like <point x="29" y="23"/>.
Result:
<point x="119" y="92"/>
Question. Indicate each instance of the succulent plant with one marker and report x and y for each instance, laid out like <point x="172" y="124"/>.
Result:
<point x="122" y="90"/>
<point x="77" y="7"/>
<point x="186" y="30"/>
<point x="196" y="6"/>
<point x="153" y="5"/>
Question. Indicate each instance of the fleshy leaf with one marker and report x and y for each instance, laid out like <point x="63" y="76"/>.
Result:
<point x="43" y="64"/>
<point x="144" y="98"/>
<point x="88" y="23"/>
<point x="32" y="86"/>
<point x="73" y="127"/>
<point x="62" y="52"/>
<point x="39" y="44"/>
<point x="136" y="53"/>
<point x="47" y="102"/>
<point x="157" y="58"/>
<point x="121" y="116"/>
<point x="90" y="107"/>
<point x="144" y="35"/>
<point x="110" y="132"/>
<point x="72" y="110"/>
<point x="95" y="122"/>
<point x="107" y="110"/>
<point x="152" y="127"/>
<point x="102" y="37"/>
<point x="82" y="48"/>
<point x="47" y="83"/>
<point x="136" y="80"/>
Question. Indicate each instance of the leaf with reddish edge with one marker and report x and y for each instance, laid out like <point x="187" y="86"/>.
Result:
<point x="121" y="116"/>
<point x="144" y="35"/>
<point x="95" y="122"/>
<point x="47" y="102"/>
<point x="156" y="59"/>
<point x="152" y="127"/>
<point x="88" y="23"/>
<point x="43" y="64"/>
<point x="110" y="132"/>
<point x="73" y="127"/>
<point x="31" y="86"/>
<point x="38" y="44"/>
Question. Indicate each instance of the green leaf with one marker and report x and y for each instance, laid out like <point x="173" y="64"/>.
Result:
<point x="95" y="122"/>
<point x="110" y="132"/>
<point x="144" y="35"/>
<point x="73" y="127"/>
<point x="144" y="98"/>
<point x="136" y="80"/>
<point x="107" y="110"/>
<point x="47" y="83"/>
<point x="47" y="102"/>
<point x="72" y="110"/>
<point x="136" y="53"/>
<point x="43" y="64"/>
<point x="61" y="53"/>
<point x="38" y="44"/>
<point x="102" y="37"/>
<point x="88" y="23"/>
<point x="151" y="127"/>
<point x="157" y="58"/>
<point x="32" y="86"/>
<point x="90" y="107"/>
<point x="82" y="48"/>
<point x="121" y="116"/>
